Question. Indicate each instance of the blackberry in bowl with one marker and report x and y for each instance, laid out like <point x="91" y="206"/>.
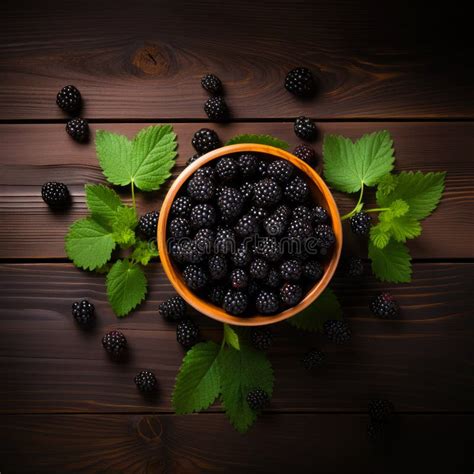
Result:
<point x="267" y="251"/>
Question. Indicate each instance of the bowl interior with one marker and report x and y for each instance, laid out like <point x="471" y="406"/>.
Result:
<point x="321" y="195"/>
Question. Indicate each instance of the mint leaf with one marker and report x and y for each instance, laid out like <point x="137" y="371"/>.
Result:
<point x="399" y="208"/>
<point x="102" y="201"/>
<point x="387" y="184"/>
<point x="198" y="382"/>
<point x="314" y="316"/>
<point x="89" y="244"/>
<point x="231" y="337"/>
<point x="380" y="235"/>
<point x="392" y="263"/>
<point x="261" y="139"/>
<point x="348" y="166"/>
<point x="241" y="371"/>
<point x="123" y="225"/>
<point x="126" y="286"/>
<point x="144" y="251"/>
<point x="403" y="228"/>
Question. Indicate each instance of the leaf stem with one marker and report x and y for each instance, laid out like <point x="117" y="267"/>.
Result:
<point x="133" y="195"/>
<point x="380" y="209"/>
<point x="350" y="214"/>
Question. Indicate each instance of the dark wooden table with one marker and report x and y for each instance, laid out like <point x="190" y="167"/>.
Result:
<point x="64" y="406"/>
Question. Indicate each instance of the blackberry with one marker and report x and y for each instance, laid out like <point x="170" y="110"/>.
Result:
<point x="225" y="241"/>
<point x="313" y="270"/>
<point x="248" y="165"/>
<point x="216" y="109"/>
<point x="262" y="166"/>
<point x="305" y="129"/>
<point x="268" y="248"/>
<point x="206" y="172"/>
<point x="227" y="168"/>
<point x="200" y="188"/>
<point x="266" y="302"/>
<point x="193" y="158"/>
<point x="324" y="236"/>
<point x="145" y="380"/>
<point x="230" y="202"/>
<point x="246" y="226"/>
<point x="246" y="189"/>
<point x="283" y="212"/>
<point x="280" y="170"/>
<point x="195" y="277"/>
<point x="384" y="306"/>
<point x="253" y="288"/>
<point x="273" y="279"/>
<point x="300" y="229"/>
<point x="212" y="84"/>
<point x="205" y="140"/>
<point x="187" y="333"/>
<point x="179" y="228"/>
<point x="360" y="224"/>
<point x="306" y="153"/>
<point x="242" y="256"/>
<point x="181" y="207"/>
<point x="313" y="359"/>
<point x="354" y="267"/>
<point x="69" y="99"/>
<point x="257" y="399"/>
<point x="259" y="213"/>
<point x="204" y="239"/>
<point x="376" y="432"/>
<point x="115" y="344"/>
<point x="259" y="269"/>
<point x="78" y="129"/>
<point x="84" y="313"/>
<point x="173" y="309"/>
<point x="217" y="267"/>
<point x="300" y="81"/>
<point x="337" y="331"/>
<point x="291" y="294"/>
<point x="216" y="295"/>
<point x="267" y="192"/>
<point x="261" y="338"/>
<point x="235" y="302"/>
<point x="381" y="410"/>
<point x="303" y="212"/>
<point x="320" y="215"/>
<point x="177" y="251"/>
<point x="275" y="226"/>
<point x="55" y="194"/>
<point x="291" y="270"/>
<point x="192" y="252"/>
<point x="239" y="278"/>
<point x="296" y="190"/>
<point x="148" y="223"/>
<point x="202" y="215"/>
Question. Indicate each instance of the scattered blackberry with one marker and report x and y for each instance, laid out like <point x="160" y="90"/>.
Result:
<point x="296" y="190"/>
<point x="230" y="202"/>
<point x="313" y="359"/>
<point x="337" y="331"/>
<point x="242" y="256"/>
<point x="187" y="333"/>
<point x="267" y="192"/>
<point x="324" y="236"/>
<point x="145" y="380"/>
<point x="320" y="215"/>
<point x="291" y="294"/>
<point x="384" y="306"/>
<point x="273" y="279"/>
<point x="305" y="129"/>
<point x="200" y="188"/>
<point x="78" y="129"/>
<point x="381" y="410"/>
<point x="259" y="269"/>
<point x="206" y="172"/>
<point x="303" y="212"/>
<point x="280" y="170"/>
<point x="193" y="158"/>
<point x="239" y="279"/>
<point x="257" y="399"/>
<point x="248" y="164"/>
<point x="227" y="168"/>
<point x="173" y="309"/>
<point x="235" y="302"/>
<point x="313" y="270"/>
<point x="212" y="84"/>
<point x="262" y="166"/>
<point x="275" y="226"/>
<point x="261" y="338"/>
<point x="246" y="189"/>
<point x="225" y="242"/>
<point x="266" y="302"/>
<point x="69" y="99"/>
<point x="216" y="109"/>
<point x="246" y="226"/>
<point x="268" y="248"/>
<point x="115" y="343"/>
<point x="376" y="432"/>
<point x="300" y="81"/>
<point x="84" y="313"/>
<point x="181" y="207"/>
<point x="179" y="228"/>
<point x="306" y="153"/>
<point x="300" y="229"/>
<point x="360" y="224"/>
<point x="205" y="140"/>
<point x="55" y="194"/>
<point x="217" y="267"/>
<point x="216" y="295"/>
<point x="202" y="215"/>
<point x="195" y="277"/>
<point x="148" y="223"/>
<point x="259" y="213"/>
<point x="354" y="267"/>
<point x="291" y="270"/>
<point x="192" y="252"/>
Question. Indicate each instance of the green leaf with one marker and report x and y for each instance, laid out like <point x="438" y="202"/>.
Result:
<point x="379" y="235"/>
<point x="392" y="263"/>
<point x="231" y="337"/>
<point x="126" y="286"/>
<point x="348" y="166"/>
<point x="102" y="201"/>
<point x="261" y="139"/>
<point x="314" y="316"/>
<point x="89" y="244"/>
<point x="198" y="382"/>
<point x="241" y="371"/>
<point x="144" y="251"/>
<point x="387" y="184"/>
<point x="399" y="208"/>
<point x="403" y="228"/>
<point x="123" y="225"/>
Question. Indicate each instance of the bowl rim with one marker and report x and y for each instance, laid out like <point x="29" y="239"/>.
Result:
<point x="208" y="308"/>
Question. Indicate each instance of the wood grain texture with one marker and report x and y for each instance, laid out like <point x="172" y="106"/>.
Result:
<point x="145" y="59"/>
<point x="33" y="154"/>
<point x="423" y="362"/>
<point x="295" y="443"/>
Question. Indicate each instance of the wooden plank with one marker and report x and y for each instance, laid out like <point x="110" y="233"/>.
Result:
<point x="33" y="154"/>
<point x="277" y="443"/>
<point x="422" y="362"/>
<point x="146" y="62"/>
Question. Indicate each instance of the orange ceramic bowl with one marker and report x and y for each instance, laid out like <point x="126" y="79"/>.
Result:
<point x="321" y="194"/>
